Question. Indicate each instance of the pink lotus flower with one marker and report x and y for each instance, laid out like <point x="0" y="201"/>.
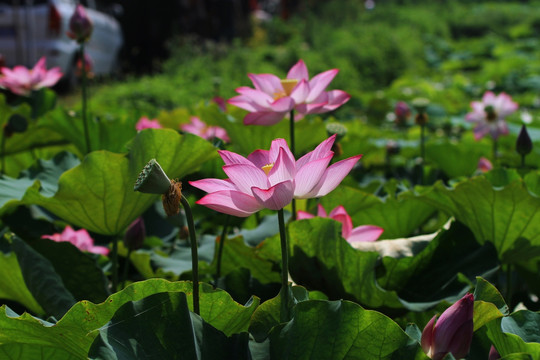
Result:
<point x="484" y="165"/>
<point x="489" y="114"/>
<point x="80" y="238"/>
<point x="366" y="233"/>
<point x="146" y="123"/>
<point x="272" y="178"/>
<point x="199" y="128"/>
<point x="22" y="81"/>
<point x="493" y="353"/>
<point x="452" y="332"/>
<point x="80" y="25"/>
<point x="274" y="98"/>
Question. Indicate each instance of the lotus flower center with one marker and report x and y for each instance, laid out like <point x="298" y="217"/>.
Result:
<point x="266" y="168"/>
<point x="288" y="86"/>
<point x="491" y="115"/>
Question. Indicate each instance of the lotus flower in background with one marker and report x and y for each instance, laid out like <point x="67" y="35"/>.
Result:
<point x="484" y="165"/>
<point x="273" y="98"/>
<point x="80" y="238"/>
<point x="452" y="332"/>
<point x="365" y="233"/>
<point x="493" y="353"/>
<point x="146" y="123"/>
<point x="489" y="115"/>
<point x="22" y="81"/>
<point x="199" y="128"/>
<point x="272" y="178"/>
<point x="80" y="25"/>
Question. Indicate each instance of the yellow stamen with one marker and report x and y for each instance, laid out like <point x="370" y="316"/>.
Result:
<point x="266" y="168"/>
<point x="288" y="85"/>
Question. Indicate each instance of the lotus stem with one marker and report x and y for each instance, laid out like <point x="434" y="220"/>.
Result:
<point x="523" y="161"/>
<point x="3" y="146"/>
<point x="494" y="151"/>
<point x="284" y="314"/>
<point x="84" y="99"/>
<point x="126" y="268"/>
<point x="221" y="246"/>
<point x="194" y="254"/>
<point x="115" y="264"/>
<point x="291" y="131"/>
<point x="422" y="151"/>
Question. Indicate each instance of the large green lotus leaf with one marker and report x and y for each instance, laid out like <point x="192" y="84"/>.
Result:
<point x="340" y="330"/>
<point x="75" y="332"/>
<point x="457" y="158"/>
<point x="98" y="194"/>
<point x="398" y="216"/>
<point x="516" y="333"/>
<point x="488" y="303"/>
<point x="161" y="326"/>
<point x="426" y="272"/>
<point x="500" y="208"/>
<point x="46" y="171"/>
<point x="104" y="133"/>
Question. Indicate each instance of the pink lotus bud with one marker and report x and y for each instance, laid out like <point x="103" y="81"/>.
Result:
<point x="493" y="354"/>
<point x="484" y="165"/>
<point x="135" y="234"/>
<point x="452" y="332"/>
<point x="80" y="25"/>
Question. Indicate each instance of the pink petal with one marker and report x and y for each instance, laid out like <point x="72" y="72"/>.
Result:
<point x="335" y="98"/>
<point x="300" y="92"/>
<point x="264" y="118"/>
<point x="276" y="197"/>
<point x="301" y="215"/>
<point x="299" y="71"/>
<point x="322" y="150"/>
<point x="319" y="83"/>
<point x="231" y="158"/>
<point x="365" y="233"/>
<point x="275" y="147"/>
<point x="231" y="202"/>
<point x="320" y="211"/>
<point x="310" y="174"/>
<point x="332" y="177"/>
<point x="475" y="117"/>
<point x="246" y="176"/>
<point x="481" y="130"/>
<point x="99" y="250"/>
<point x="427" y="336"/>
<point x="284" y="168"/>
<point x="339" y="214"/>
<point x="267" y="83"/>
<point x="221" y="133"/>
<point x="260" y="158"/>
<point x="257" y="97"/>
<point x="245" y="102"/>
<point x="213" y="185"/>
<point x="450" y="321"/>
<point x="284" y="104"/>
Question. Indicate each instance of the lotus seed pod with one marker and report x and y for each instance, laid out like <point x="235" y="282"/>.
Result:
<point x="152" y="179"/>
<point x="336" y="128"/>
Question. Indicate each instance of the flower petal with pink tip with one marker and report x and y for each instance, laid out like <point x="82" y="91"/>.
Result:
<point x="276" y="197"/>
<point x="365" y="233"/>
<point x="299" y="71"/>
<point x="231" y="202"/>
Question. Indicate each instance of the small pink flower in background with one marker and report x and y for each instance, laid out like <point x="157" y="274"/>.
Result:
<point x="484" y="165"/>
<point x="365" y="233"/>
<point x="452" y="332"/>
<point x="493" y="353"/>
<point x="80" y="238"/>
<point x="80" y="25"/>
<point x="489" y="115"/>
<point x="199" y="128"/>
<point x="221" y="102"/>
<point x="146" y="123"/>
<point x="402" y="112"/>
<point x="22" y="81"/>
<point x="273" y="98"/>
<point x="272" y="178"/>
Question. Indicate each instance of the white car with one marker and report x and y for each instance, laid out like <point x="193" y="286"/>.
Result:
<point x="30" y="29"/>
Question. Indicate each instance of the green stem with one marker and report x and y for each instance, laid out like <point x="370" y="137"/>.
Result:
<point x="221" y="245"/>
<point x="126" y="268"/>
<point x="523" y="161"/>
<point x="509" y="285"/>
<point x="84" y="98"/>
<point x="3" y="164"/>
<point x="194" y="255"/>
<point x="115" y="264"/>
<point x="494" y="151"/>
<point x="422" y="151"/>
<point x="284" y="315"/>
<point x="291" y="132"/>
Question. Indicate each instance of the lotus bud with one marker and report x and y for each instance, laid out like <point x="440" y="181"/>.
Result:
<point x="402" y="112"/>
<point x="80" y="25"/>
<point x="524" y="144"/>
<point x="135" y="234"/>
<point x="493" y="354"/>
<point x="484" y="165"/>
<point x="452" y="332"/>
<point x="152" y="179"/>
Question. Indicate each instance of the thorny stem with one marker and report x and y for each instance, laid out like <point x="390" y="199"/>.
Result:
<point x="284" y="314"/>
<point x="84" y="99"/>
<point x="194" y="255"/>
